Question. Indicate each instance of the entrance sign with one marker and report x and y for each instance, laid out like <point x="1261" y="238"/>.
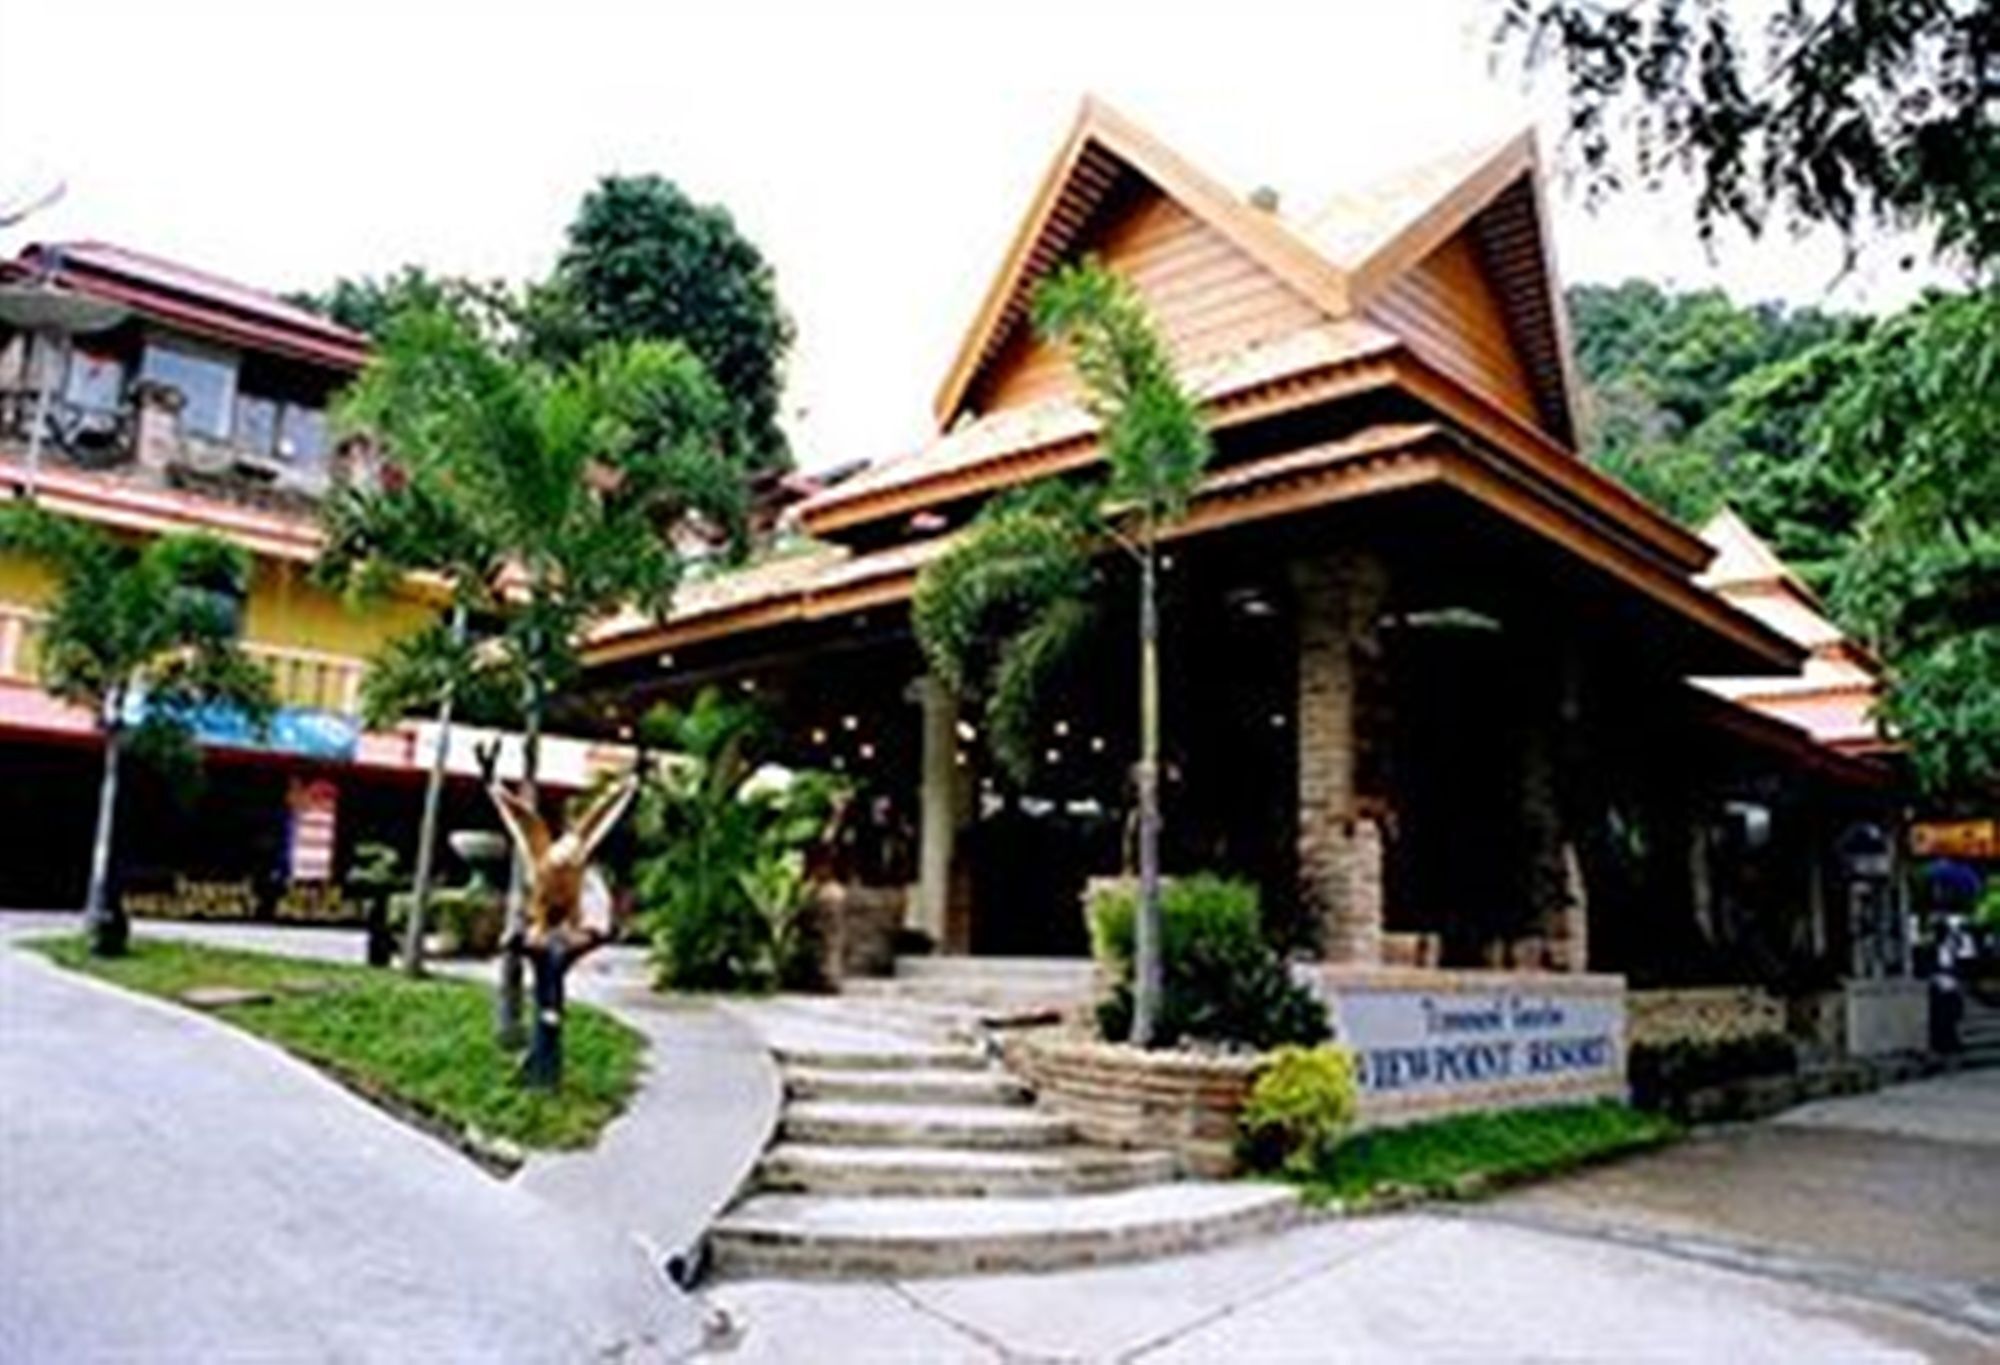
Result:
<point x="1428" y="1042"/>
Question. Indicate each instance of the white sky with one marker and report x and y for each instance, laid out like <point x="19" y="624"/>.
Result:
<point x="879" y="154"/>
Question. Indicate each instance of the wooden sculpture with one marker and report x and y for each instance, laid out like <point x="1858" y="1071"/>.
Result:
<point x="557" y="931"/>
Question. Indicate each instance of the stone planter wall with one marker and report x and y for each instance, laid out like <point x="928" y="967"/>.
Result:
<point x="1122" y="1096"/>
<point x="1705" y="1014"/>
<point x="855" y="927"/>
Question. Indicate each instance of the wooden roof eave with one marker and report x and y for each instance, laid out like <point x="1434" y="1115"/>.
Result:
<point x="1375" y="463"/>
<point x="1854" y="765"/>
<point x="1502" y="488"/>
<point x="1486" y="420"/>
<point x="1258" y="234"/>
<point x="1066" y="454"/>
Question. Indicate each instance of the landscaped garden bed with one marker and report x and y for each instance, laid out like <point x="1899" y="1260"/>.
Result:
<point x="424" y="1050"/>
<point x="1468" y="1155"/>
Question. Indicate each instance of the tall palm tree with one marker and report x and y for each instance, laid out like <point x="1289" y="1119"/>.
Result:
<point x="1153" y="438"/>
<point x="144" y="638"/>
<point x="564" y="491"/>
<point x="998" y="610"/>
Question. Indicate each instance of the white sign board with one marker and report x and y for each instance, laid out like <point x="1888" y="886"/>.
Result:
<point x="1438" y="1041"/>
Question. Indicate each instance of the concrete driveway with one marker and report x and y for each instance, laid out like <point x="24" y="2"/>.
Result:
<point x="173" y="1190"/>
<point x="1893" y="1196"/>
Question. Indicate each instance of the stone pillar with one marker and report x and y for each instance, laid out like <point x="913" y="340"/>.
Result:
<point x="938" y="807"/>
<point x="156" y="428"/>
<point x="1557" y="899"/>
<point x="1339" y="597"/>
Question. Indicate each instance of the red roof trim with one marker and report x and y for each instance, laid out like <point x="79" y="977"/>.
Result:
<point x="200" y="303"/>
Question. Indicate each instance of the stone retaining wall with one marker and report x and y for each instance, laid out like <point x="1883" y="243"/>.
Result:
<point x="855" y="929"/>
<point x="1122" y="1096"/>
<point x="1705" y="1014"/>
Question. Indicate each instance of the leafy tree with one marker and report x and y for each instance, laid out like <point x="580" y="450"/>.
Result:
<point x="143" y="638"/>
<point x="1845" y="111"/>
<point x="368" y="304"/>
<point x="1000" y="608"/>
<point x="645" y="261"/>
<point x="1920" y="410"/>
<point x="998" y="612"/>
<point x="375" y="536"/>
<point x="723" y="881"/>
<point x="1681" y="390"/>
<point x="556" y="495"/>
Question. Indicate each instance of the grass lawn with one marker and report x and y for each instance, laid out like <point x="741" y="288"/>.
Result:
<point x="424" y="1048"/>
<point x="1470" y="1154"/>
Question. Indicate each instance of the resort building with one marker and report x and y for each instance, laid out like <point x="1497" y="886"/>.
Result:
<point x="197" y="403"/>
<point x="1428" y="673"/>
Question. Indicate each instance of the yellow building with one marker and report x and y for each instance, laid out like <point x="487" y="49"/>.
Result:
<point x="203" y="407"/>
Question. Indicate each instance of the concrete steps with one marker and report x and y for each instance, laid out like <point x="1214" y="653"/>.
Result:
<point x="1001" y="988"/>
<point x="872" y="1058"/>
<point x="842" y="1123"/>
<point x="892" y="1237"/>
<point x="959" y="1172"/>
<point x="904" y="1151"/>
<point x="904" y="1085"/>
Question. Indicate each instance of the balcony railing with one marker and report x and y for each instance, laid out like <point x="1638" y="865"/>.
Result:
<point x="144" y="441"/>
<point x="305" y="678"/>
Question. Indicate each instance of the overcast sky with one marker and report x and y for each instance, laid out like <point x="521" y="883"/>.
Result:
<point x="880" y="155"/>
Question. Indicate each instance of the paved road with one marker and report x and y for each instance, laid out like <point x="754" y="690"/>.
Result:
<point x="171" y="1190"/>
<point x="1406" y="1287"/>
<point x="1894" y="1195"/>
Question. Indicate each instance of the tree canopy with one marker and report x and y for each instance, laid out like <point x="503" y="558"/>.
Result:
<point x="1919" y="413"/>
<point x="1843" y="112"/>
<point x="645" y="261"/>
<point x="1867" y="453"/>
<point x="641" y="261"/>
<point x="545" y="496"/>
<point x="1693" y="400"/>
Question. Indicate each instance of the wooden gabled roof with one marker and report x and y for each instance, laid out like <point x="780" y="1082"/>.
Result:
<point x="1446" y="264"/>
<point x="1836" y="694"/>
<point x="1341" y="258"/>
<point x="1101" y="144"/>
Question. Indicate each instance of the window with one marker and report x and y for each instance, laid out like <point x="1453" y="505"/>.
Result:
<point x="302" y="435"/>
<point x="205" y="379"/>
<point x="96" y="382"/>
<point x="256" y="423"/>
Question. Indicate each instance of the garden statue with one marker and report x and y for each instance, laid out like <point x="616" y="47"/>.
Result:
<point x="560" y="927"/>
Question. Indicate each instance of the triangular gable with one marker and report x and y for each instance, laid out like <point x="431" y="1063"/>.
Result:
<point x="1418" y="231"/>
<point x="1102" y="147"/>
<point x="1360" y="250"/>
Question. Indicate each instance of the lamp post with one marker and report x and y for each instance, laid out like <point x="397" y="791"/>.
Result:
<point x="51" y="315"/>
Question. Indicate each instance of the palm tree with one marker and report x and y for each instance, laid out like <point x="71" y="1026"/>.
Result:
<point x="144" y="638"/>
<point x="1005" y="603"/>
<point x="562" y="492"/>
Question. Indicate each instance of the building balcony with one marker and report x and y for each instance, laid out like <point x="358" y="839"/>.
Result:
<point x="142" y="440"/>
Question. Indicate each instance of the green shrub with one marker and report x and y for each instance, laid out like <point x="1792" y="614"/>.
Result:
<point x="1223" y="981"/>
<point x="1300" y="1105"/>
<point x="721" y="881"/>
<point x="1663" y="1075"/>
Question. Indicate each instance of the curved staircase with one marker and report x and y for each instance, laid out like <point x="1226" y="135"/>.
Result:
<point x="899" y="1157"/>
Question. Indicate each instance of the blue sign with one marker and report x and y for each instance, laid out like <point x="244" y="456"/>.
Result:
<point x="303" y="730"/>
